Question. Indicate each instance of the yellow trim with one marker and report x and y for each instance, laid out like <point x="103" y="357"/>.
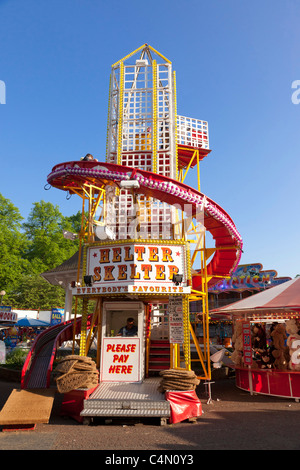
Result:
<point x="84" y="192"/>
<point x="174" y="355"/>
<point x="171" y="356"/>
<point x="139" y="241"/>
<point x="199" y="352"/>
<point x="197" y="249"/>
<point x="99" y="327"/>
<point x="198" y="171"/>
<point x="194" y="297"/>
<point x="186" y="333"/>
<point x="154" y="295"/>
<point x="188" y="262"/>
<point x="189" y="166"/>
<point x="83" y="327"/>
<point x="225" y="247"/>
<point x="108" y="118"/>
<point x="144" y="46"/>
<point x="91" y="336"/>
<point x="148" y="341"/>
<point x="196" y="155"/>
<point x="129" y="55"/>
<point x="206" y="313"/>
<point x="120" y="114"/>
<point x="177" y="354"/>
<point x="74" y="324"/>
<point x="158" y="53"/>
<point x="154" y="117"/>
<point x="175" y="126"/>
<point x="198" y="292"/>
<point x="129" y="242"/>
<point x="84" y="264"/>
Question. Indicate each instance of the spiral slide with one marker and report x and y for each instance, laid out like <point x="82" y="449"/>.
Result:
<point x="228" y="242"/>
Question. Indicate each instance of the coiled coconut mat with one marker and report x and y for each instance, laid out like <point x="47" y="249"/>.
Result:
<point x="178" y="379"/>
<point x="75" y="372"/>
<point x="27" y="407"/>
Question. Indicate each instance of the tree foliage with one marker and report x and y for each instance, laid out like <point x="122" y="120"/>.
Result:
<point x="13" y="243"/>
<point x="37" y="294"/>
<point x="30" y="248"/>
<point x="44" y="233"/>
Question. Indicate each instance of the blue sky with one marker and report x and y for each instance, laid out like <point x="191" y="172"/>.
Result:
<point x="235" y="63"/>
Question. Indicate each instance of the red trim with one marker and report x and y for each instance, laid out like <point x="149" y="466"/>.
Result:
<point x="285" y="384"/>
<point x="63" y="335"/>
<point x="72" y="403"/>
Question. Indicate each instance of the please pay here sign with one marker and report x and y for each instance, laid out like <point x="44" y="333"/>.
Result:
<point x="120" y="361"/>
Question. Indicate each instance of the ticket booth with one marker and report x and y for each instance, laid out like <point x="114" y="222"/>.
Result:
<point x="122" y="357"/>
<point x="121" y="273"/>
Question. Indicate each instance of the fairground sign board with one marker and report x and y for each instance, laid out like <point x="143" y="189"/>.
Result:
<point x="140" y="268"/>
<point x="6" y="315"/>
<point x="247" y="347"/>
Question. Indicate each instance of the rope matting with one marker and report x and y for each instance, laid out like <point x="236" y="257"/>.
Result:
<point x="75" y="372"/>
<point x="27" y="407"/>
<point x="178" y="379"/>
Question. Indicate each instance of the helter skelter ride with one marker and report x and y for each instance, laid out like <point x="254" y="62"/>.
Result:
<point x="143" y="231"/>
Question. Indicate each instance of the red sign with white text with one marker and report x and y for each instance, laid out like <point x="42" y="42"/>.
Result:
<point x="247" y="346"/>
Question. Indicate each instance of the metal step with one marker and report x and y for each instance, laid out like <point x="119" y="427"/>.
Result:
<point x="159" y="359"/>
<point x="117" y="399"/>
<point x="159" y="356"/>
<point x="162" y="352"/>
<point x="158" y="367"/>
<point x="159" y="344"/>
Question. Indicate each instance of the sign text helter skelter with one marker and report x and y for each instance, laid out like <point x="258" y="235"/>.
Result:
<point x="133" y="267"/>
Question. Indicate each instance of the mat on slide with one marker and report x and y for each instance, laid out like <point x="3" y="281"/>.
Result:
<point x="27" y="407"/>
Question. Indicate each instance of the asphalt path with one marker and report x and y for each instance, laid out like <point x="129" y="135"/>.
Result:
<point x="234" y="420"/>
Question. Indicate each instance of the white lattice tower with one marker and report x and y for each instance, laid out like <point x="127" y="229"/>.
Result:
<point x="141" y="133"/>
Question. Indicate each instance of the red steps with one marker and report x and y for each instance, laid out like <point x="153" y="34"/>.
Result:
<point x="159" y="356"/>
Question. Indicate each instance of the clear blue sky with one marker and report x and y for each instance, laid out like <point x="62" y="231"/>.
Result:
<point x="235" y="63"/>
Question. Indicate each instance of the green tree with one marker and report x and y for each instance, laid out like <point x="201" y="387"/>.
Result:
<point x="47" y="247"/>
<point x="30" y="248"/>
<point x="13" y="245"/>
<point x="37" y="294"/>
<point x="73" y="222"/>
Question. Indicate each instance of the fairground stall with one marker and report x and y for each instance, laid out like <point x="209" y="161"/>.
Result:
<point x="246" y="280"/>
<point x="266" y="340"/>
<point x="142" y="256"/>
<point x="8" y="332"/>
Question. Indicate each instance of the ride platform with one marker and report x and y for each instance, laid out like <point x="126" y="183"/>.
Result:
<point x="130" y="400"/>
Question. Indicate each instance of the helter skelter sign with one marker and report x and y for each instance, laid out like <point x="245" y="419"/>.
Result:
<point x="141" y="268"/>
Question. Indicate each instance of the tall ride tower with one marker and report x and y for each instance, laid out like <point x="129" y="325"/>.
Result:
<point x="144" y="252"/>
<point x="145" y="132"/>
<point x="142" y="113"/>
<point x="141" y="134"/>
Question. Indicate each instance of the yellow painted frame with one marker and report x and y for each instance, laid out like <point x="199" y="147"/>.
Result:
<point x="154" y="117"/>
<point x="144" y="46"/>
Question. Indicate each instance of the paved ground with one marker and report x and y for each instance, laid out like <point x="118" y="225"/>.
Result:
<point x="235" y="420"/>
